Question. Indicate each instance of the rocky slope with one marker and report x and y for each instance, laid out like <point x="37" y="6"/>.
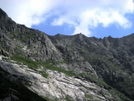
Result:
<point x="110" y="58"/>
<point x="63" y="68"/>
<point x="56" y="86"/>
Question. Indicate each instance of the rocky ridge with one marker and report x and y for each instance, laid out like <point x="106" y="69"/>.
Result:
<point x="65" y="68"/>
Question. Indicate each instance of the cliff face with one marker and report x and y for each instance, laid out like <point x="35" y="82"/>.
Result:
<point x="64" y="68"/>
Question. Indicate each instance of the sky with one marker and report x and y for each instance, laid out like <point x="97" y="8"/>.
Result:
<point x="98" y="18"/>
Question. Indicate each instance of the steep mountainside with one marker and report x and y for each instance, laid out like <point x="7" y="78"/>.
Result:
<point x="37" y="67"/>
<point x="112" y="59"/>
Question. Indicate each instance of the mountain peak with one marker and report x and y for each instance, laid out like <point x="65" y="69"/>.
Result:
<point x="3" y="15"/>
<point x="80" y="34"/>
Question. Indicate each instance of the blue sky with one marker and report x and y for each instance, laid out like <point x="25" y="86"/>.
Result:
<point x="99" y="18"/>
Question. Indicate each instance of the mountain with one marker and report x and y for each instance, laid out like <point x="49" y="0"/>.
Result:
<point x="35" y="66"/>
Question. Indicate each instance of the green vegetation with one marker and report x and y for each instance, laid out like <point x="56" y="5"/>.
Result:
<point x="58" y="62"/>
<point x="50" y="65"/>
<point x="34" y="65"/>
<point x="116" y="93"/>
<point x="5" y="58"/>
<point x="17" y="35"/>
<point x="45" y="98"/>
<point x="68" y="98"/>
<point x="113" y="66"/>
<point x="4" y="51"/>
<point x="18" y="46"/>
<point x="101" y="83"/>
<point x="26" y="61"/>
<point x="44" y="74"/>
<point x="69" y="73"/>
<point x="89" y="96"/>
<point x="98" y="81"/>
<point x="49" y="61"/>
<point x="30" y="63"/>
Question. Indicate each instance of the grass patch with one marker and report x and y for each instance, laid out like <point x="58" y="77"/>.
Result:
<point x="18" y="46"/>
<point x="45" y="98"/>
<point x="34" y="65"/>
<point x="89" y="96"/>
<point x="26" y="61"/>
<point x="68" y="98"/>
<point x="29" y="63"/>
<point x="5" y="58"/>
<point x="50" y="65"/>
<point x="26" y="35"/>
<point x="69" y="73"/>
<point x="44" y="74"/>
<point x="93" y="79"/>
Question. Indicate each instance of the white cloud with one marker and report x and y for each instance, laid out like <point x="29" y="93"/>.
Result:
<point x="28" y="12"/>
<point x="83" y="15"/>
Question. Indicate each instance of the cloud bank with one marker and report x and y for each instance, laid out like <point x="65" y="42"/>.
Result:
<point x="82" y="15"/>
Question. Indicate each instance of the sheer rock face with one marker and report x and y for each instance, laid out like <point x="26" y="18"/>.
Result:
<point x="110" y="60"/>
